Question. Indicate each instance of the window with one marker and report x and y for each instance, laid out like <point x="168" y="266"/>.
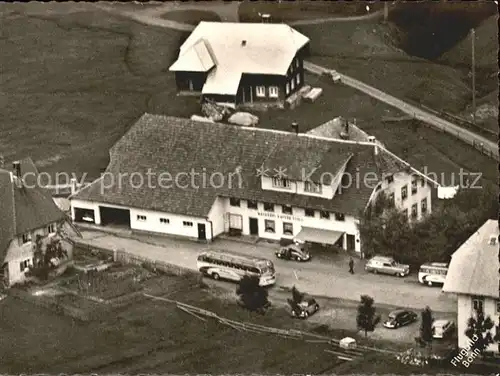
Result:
<point x="281" y="183"/>
<point x="422" y="182"/>
<point x="268" y="207"/>
<point x="273" y="92"/>
<point x="165" y="221"/>
<point x="477" y="304"/>
<point x="424" y="206"/>
<point x="26" y="238"/>
<point x="297" y="63"/>
<point x="292" y="83"/>
<point x="141" y="218"/>
<point x="311" y="187"/>
<point x="309" y="212"/>
<point x="51" y="229"/>
<point x="390" y="179"/>
<point x="297" y="78"/>
<point x="414" y="186"/>
<point x="287" y="228"/>
<point x="414" y="210"/>
<point x="187" y="224"/>
<point x="324" y="214"/>
<point x="251" y="204"/>
<point x="391" y="199"/>
<point x="234" y="201"/>
<point x="270" y="226"/>
<point x="404" y="192"/>
<point x="285" y="209"/>
<point x="261" y="91"/>
<point x="339" y="217"/>
<point x="23" y="265"/>
<point x="287" y="88"/>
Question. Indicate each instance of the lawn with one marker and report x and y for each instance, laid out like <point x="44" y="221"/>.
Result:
<point x="192" y="16"/>
<point x="298" y="10"/>
<point x="73" y="83"/>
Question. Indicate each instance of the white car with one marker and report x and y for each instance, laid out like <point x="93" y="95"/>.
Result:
<point x="335" y="76"/>
<point x="442" y="328"/>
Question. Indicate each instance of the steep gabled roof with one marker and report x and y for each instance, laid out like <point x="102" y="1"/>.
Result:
<point x="474" y="267"/>
<point x="236" y="49"/>
<point x="24" y="206"/>
<point x="159" y="144"/>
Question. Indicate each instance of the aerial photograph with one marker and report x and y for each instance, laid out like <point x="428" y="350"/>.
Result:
<point x="249" y="187"/>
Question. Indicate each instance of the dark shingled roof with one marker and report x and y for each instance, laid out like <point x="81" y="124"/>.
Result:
<point x="23" y="208"/>
<point x="168" y="144"/>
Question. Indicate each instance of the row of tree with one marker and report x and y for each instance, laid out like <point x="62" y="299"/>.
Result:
<point x="385" y="231"/>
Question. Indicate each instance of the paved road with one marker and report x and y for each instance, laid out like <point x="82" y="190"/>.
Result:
<point x="411" y="110"/>
<point x="326" y="277"/>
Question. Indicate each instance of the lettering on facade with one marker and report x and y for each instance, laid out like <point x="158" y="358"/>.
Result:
<point x="280" y="216"/>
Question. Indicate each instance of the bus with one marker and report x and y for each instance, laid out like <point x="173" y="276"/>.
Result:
<point x="433" y="273"/>
<point x="233" y="266"/>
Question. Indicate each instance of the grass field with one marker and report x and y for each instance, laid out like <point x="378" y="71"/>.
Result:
<point x="192" y="16"/>
<point x="72" y="84"/>
<point x="299" y="10"/>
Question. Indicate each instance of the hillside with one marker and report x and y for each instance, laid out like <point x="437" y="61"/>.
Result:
<point x="486" y="48"/>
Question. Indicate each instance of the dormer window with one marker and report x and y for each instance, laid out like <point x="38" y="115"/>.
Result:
<point x="312" y="187"/>
<point x="26" y="238"/>
<point x="281" y="183"/>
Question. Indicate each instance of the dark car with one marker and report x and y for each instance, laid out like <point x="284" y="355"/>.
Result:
<point x="305" y="308"/>
<point x="293" y="252"/>
<point x="400" y="318"/>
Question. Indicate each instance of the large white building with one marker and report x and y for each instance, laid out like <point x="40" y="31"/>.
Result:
<point x="207" y="179"/>
<point x="474" y="275"/>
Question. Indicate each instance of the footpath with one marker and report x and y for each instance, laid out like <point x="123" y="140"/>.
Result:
<point x="320" y="277"/>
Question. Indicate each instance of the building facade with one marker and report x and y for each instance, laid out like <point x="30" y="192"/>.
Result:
<point x="322" y="207"/>
<point x="474" y="276"/>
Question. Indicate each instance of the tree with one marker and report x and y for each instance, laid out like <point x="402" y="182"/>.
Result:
<point x="365" y="318"/>
<point x="296" y="299"/>
<point x="252" y="296"/>
<point x="45" y="250"/>
<point x="426" y="329"/>
<point x="479" y="331"/>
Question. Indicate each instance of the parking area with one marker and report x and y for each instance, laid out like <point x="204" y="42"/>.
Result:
<point x="320" y="277"/>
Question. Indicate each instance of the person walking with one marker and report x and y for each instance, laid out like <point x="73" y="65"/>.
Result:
<point x="351" y="266"/>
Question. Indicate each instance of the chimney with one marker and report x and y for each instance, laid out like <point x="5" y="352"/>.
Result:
<point x="295" y="127"/>
<point x="493" y="240"/>
<point x="243" y="43"/>
<point x="72" y="183"/>
<point x="16" y="166"/>
<point x="373" y="140"/>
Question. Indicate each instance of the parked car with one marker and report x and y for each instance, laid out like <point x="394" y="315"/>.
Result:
<point x="442" y="328"/>
<point x="307" y="307"/>
<point x="293" y="252"/>
<point x="400" y="317"/>
<point x="386" y="265"/>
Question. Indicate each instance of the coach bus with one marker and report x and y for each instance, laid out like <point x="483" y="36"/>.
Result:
<point x="433" y="273"/>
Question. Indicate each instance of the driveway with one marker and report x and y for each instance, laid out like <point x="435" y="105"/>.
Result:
<point x="327" y="277"/>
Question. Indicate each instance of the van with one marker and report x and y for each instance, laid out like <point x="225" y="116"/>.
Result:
<point x="386" y="265"/>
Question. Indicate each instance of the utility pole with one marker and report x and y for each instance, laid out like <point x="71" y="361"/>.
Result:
<point x="474" y="76"/>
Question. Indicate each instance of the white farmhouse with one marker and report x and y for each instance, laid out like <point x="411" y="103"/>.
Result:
<point x="209" y="179"/>
<point x="474" y="275"/>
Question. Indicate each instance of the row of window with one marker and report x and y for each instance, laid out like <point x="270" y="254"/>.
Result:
<point x="285" y="209"/>
<point x="309" y="186"/>
<point x="49" y="230"/>
<point x="163" y="220"/>
<point x="290" y="85"/>
<point x="270" y="226"/>
<point x="414" y="188"/>
<point x="478" y="305"/>
<point x="294" y="66"/>
<point x="260" y="91"/>
<point x="23" y="265"/>
<point x="414" y="208"/>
